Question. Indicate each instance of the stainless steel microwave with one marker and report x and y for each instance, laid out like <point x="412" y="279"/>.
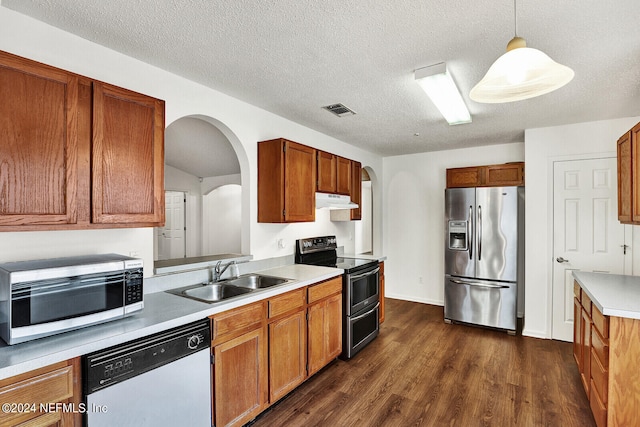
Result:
<point x="46" y="297"/>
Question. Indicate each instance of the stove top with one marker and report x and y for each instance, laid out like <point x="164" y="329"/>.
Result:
<point x="322" y="251"/>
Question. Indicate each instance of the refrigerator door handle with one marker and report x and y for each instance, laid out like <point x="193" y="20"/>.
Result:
<point x="470" y="232"/>
<point x="481" y="285"/>
<point x="479" y="233"/>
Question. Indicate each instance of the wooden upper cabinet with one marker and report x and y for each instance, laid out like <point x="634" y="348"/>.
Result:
<point x="356" y="189"/>
<point x="508" y="174"/>
<point x="286" y="181"/>
<point x="327" y="172"/>
<point x="76" y="153"/>
<point x="625" y="195"/>
<point x="38" y="143"/>
<point x="343" y="185"/>
<point x="128" y="157"/>
<point x="629" y="177"/>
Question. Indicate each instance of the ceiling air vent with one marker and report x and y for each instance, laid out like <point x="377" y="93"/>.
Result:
<point x="339" y="110"/>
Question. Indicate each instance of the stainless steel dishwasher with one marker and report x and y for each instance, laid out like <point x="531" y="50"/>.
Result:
<point x="159" y="380"/>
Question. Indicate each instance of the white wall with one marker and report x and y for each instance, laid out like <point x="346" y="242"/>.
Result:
<point x="413" y="216"/>
<point x="242" y="123"/>
<point x="542" y="147"/>
<point x="221" y="227"/>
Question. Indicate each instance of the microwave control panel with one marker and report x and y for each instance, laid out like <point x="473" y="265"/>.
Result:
<point x="133" y="286"/>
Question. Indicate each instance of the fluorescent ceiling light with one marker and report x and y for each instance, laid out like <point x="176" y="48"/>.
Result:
<point x="436" y="81"/>
<point x="519" y="74"/>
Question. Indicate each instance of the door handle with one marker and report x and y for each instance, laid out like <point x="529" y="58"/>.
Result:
<point x="561" y="260"/>
<point x="624" y="249"/>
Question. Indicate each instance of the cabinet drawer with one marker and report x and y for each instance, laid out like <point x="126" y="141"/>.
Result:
<point x="286" y="302"/>
<point x="45" y="385"/>
<point x="325" y="289"/>
<point x="586" y="303"/>
<point x="599" y="377"/>
<point x="577" y="290"/>
<point x="601" y="348"/>
<point x="597" y="407"/>
<point x="233" y="323"/>
<point x="600" y="321"/>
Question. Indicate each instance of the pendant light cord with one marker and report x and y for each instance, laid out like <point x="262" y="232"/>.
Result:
<point x="515" y="18"/>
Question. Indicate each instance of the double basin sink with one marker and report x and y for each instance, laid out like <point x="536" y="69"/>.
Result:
<point x="212" y="292"/>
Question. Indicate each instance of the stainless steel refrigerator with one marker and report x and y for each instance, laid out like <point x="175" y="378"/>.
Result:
<point x="484" y="256"/>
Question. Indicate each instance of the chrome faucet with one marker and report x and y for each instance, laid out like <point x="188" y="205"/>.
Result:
<point x="217" y="271"/>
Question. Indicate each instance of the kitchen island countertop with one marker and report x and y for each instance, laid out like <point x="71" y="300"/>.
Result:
<point x="613" y="294"/>
<point x="161" y="311"/>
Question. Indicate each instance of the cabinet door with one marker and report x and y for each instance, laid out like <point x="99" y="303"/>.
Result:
<point x="624" y="178"/>
<point x="465" y="177"/>
<point x="343" y="185"/>
<point x="38" y="143"/>
<point x="585" y="329"/>
<point x="299" y="183"/>
<point x="287" y="345"/>
<point x="240" y="379"/>
<point x="635" y="173"/>
<point x="577" y="333"/>
<point x="128" y="157"/>
<point x="327" y="169"/>
<point x="381" y="293"/>
<point x="356" y="189"/>
<point x="504" y="175"/>
<point x="325" y="332"/>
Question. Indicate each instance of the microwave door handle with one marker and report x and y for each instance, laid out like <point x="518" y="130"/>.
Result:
<point x="360" y="276"/>
<point x="470" y="232"/>
<point x="351" y="319"/>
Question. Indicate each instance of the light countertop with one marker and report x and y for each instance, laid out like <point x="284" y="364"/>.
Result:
<point x="378" y="258"/>
<point x="613" y="294"/>
<point x="161" y="311"/>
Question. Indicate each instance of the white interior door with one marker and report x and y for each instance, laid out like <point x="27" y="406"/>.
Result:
<point x="171" y="238"/>
<point x="586" y="232"/>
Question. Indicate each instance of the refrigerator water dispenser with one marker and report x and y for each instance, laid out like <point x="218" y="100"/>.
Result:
<point x="458" y="235"/>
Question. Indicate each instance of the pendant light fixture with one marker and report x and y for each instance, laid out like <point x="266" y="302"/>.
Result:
<point x="519" y="74"/>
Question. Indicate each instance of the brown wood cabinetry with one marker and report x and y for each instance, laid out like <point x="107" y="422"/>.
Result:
<point x="324" y="323"/>
<point x="287" y="343"/>
<point x="607" y="349"/>
<point x="78" y="153"/>
<point x="356" y="189"/>
<point x="265" y="349"/>
<point x="286" y="181"/>
<point x="629" y="177"/>
<point x="343" y="183"/>
<point x="381" y="293"/>
<point x="239" y="348"/>
<point x="327" y="172"/>
<point x="58" y="383"/>
<point x="507" y="174"/>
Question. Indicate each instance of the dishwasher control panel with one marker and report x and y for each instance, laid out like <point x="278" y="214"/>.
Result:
<point x="115" y="364"/>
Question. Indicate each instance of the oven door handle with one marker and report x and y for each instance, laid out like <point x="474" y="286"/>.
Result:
<point x="360" y="276"/>
<point x="351" y="319"/>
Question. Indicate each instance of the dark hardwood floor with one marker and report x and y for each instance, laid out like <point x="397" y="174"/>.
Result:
<point x="423" y="372"/>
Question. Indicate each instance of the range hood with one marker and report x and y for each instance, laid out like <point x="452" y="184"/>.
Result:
<point x="334" y="201"/>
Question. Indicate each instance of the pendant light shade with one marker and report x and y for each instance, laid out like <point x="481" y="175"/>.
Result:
<point x="519" y="74"/>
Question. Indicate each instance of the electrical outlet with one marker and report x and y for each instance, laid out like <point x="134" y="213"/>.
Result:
<point x="134" y="254"/>
<point x="281" y="244"/>
<point x="420" y="279"/>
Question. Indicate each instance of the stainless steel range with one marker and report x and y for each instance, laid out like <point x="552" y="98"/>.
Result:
<point x="361" y="299"/>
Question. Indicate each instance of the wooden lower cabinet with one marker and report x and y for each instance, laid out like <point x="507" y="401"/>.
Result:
<point x="58" y="383"/>
<point x="287" y="343"/>
<point x="264" y="350"/>
<point x="381" y="293"/>
<point x="607" y="350"/>
<point x="325" y="332"/>
<point x="240" y="384"/>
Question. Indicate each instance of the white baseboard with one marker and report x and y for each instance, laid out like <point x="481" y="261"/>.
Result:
<point x="413" y="299"/>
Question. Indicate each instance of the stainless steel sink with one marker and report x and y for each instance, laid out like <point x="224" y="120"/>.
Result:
<point x="219" y="291"/>
<point x="210" y="292"/>
<point x="256" y="281"/>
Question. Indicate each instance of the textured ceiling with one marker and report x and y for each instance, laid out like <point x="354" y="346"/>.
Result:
<point x="292" y="57"/>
